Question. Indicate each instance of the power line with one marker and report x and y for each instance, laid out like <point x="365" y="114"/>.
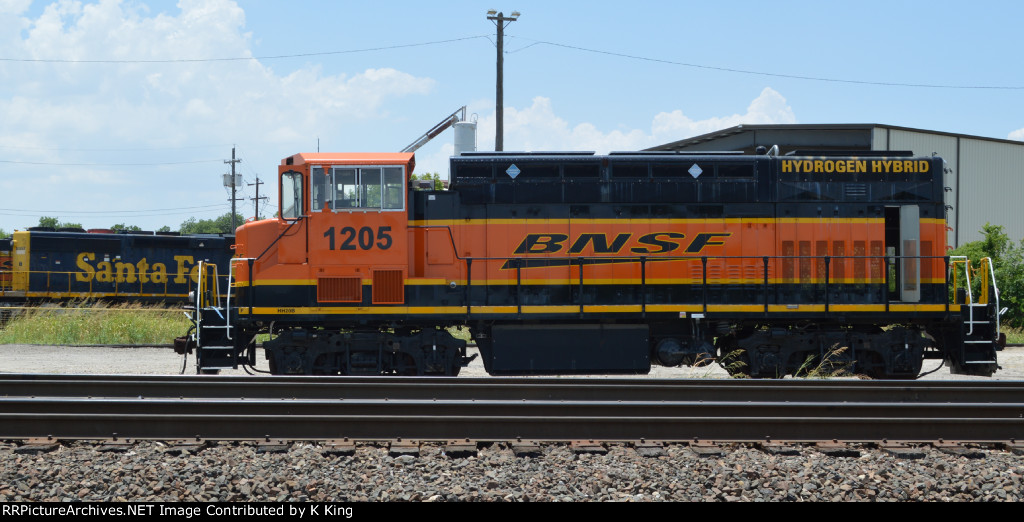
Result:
<point x="65" y="211"/>
<point x="773" y="75"/>
<point x="109" y="164"/>
<point x="523" y="48"/>
<point x="139" y="149"/>
<point x="73" y="215"/>
<point x="247" y="166"/>
<point x="534" y="43"/>
<point x="241" y="58"/>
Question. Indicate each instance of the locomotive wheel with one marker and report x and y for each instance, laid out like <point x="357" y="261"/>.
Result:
<point x="438" y="360"/>
<point x="406" y="365"/>
<point x="322" y="366"/>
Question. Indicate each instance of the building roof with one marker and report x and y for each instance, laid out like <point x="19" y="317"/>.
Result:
<point x="806" y="136"/>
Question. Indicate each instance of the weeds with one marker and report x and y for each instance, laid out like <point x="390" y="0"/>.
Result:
<point x="95" y="323"/>
<point x="1014" y="335"/>
<point x="460" y="332"/>
<point x="835" y="363"/>
<point x="735" y="362"/>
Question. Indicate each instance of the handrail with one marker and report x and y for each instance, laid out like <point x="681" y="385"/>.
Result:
<point x="231" y="275"/>
<point x="769" y="266"/>
<point x="199" y="315"/>
<point x="963" y="260"/>
<point x="71" y="285"/>
<point x="995" y="292"/>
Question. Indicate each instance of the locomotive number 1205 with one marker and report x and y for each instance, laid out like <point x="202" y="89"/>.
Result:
<point x="364" y="237"/>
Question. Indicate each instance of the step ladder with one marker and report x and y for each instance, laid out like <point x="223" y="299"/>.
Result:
<point x="215" y="349"/>
<point x="981" y="325"/>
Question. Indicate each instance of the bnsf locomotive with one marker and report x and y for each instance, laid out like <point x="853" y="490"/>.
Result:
<point x="580" y="263"/>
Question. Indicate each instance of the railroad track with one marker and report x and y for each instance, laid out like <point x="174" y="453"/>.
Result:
<point x="240" y="408"/>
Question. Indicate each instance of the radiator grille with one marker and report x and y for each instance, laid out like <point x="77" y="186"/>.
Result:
<point x="339" y="289"/>
<point x="388" y="287"/>
<point x="855" y="191"/>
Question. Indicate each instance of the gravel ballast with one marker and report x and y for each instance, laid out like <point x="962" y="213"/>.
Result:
<point x="147" y="471"/>
<point x="155" y="471"/>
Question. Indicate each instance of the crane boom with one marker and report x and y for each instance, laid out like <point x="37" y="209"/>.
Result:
<point x="448" y="121"/>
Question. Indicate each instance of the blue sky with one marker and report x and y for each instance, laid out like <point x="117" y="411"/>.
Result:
<point x="102" y="122"/>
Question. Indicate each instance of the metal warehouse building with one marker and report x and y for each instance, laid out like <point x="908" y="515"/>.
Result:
<point x="984" y="176"/>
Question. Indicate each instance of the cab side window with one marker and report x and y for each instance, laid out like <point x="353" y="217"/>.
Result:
<point x="291" y="195"/>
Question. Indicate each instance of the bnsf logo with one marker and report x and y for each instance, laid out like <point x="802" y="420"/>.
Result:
<point x="654" y="243"/>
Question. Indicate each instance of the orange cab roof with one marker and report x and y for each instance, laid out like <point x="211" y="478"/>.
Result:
<point x="352" y="158"/>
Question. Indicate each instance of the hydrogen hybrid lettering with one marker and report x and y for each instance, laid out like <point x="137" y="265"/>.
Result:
<point x="856" y="166"/>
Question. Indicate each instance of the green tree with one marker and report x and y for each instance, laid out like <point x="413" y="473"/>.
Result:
<point x="1008" y="266"/>
<point x="121" y="227"/>
<point x="3" y="233"/>
<point x="430" y="176"/>
<point x="52" y="222"/>
<point x="220" y="225"/>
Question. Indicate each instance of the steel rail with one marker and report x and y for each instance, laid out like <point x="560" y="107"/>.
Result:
<point x="497" y="388"/>
<point x="790" y="410"/>
<point x="491" y="427"/>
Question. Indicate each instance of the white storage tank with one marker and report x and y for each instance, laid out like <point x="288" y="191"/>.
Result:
<point x="465" y="137"/>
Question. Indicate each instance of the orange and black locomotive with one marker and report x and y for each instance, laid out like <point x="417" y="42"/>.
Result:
<point x="581" y="263"/>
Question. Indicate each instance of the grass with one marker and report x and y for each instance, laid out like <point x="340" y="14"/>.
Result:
<point x="460" y="332"/>
<point x="90" y="323"/>
<point x="835" y="363"/>
<point x="1014" y="335"/>
<point x="734" y="363"/>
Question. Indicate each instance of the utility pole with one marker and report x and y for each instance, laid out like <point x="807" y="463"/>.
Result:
<point x="256" y="200"/>
<point x="500" y="21"/>
<point x="233" y="185"/>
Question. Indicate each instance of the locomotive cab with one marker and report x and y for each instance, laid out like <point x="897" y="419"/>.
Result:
<point x="341" y="228"/>
<point x="334" y="264"/>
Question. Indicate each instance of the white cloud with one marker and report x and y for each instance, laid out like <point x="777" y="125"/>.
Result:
<point x="149" y="102"/>
<point x="104" y="113"/>
<point x="1017" y="135"/>
<point x="14" y="6"/>
<point x="539" y="128"/>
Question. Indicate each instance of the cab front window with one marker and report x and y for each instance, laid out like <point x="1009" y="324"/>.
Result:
<point x="320" y="183"/>
<point x="361" y="188"/>
<point x="394" y="188"/>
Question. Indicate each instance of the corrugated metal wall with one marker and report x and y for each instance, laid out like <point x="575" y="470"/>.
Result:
<point x="880" y="138"/>
<point x="991" y="188"/>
